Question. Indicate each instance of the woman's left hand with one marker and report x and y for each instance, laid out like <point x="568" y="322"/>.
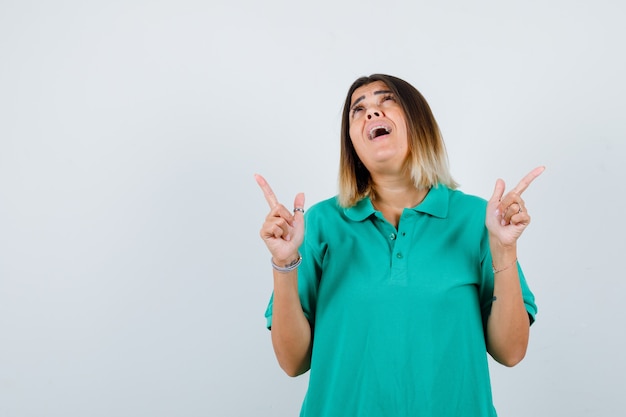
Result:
<point x="507" y="216"/>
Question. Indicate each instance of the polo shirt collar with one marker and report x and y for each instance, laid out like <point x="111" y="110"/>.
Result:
<point x="435" y="204"/>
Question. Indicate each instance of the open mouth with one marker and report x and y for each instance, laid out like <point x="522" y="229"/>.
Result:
<point x="378" y="131"/>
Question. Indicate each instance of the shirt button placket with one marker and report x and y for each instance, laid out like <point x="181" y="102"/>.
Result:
<point x="398" y="259"/>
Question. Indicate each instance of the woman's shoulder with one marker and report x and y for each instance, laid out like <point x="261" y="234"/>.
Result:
<point x="460" y="197"/>
<point x="460" y="201"/>
<point x="325" y="207"/>
<point x="322" y="217"/>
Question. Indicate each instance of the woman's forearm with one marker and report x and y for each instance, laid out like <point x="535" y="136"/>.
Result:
<point x="291" y="331"/>
<point x="508" y="325"/>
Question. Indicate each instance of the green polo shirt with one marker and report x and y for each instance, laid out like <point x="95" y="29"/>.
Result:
<point x="398" y="315"/>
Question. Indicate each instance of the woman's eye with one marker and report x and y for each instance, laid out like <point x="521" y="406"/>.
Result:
<point x="356" y="110"/>
<point x="389" y="97"/>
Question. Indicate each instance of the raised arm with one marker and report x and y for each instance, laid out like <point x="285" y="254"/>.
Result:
<point x="283" y="233"/>
<point x="508" y="325"/>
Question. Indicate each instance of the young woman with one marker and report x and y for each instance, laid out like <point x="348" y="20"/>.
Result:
<point x="401" y="284"/>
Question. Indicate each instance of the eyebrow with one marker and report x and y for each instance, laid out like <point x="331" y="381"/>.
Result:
<point x="358" y="100"/>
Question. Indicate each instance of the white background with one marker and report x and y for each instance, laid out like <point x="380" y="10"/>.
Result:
<point x="132" y="278"/>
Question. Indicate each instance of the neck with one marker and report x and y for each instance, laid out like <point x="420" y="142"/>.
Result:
<point x="393" y="195"/>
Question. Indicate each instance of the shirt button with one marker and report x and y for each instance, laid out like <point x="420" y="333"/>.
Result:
<point x="399" y="255"/>
<point x="392" y="236"/>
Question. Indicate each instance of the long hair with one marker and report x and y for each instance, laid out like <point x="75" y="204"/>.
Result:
<point x="427" y="160"/>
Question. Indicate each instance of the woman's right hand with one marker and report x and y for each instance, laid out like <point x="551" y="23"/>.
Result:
<point x="283" y="230"/>
<point x="283" y="233"/>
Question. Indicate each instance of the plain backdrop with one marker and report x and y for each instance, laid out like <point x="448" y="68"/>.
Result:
<point x="133" y="281"/>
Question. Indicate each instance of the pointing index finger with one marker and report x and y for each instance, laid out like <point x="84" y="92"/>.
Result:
<point x="270" y="197"/>
<point x="525" y="182"/>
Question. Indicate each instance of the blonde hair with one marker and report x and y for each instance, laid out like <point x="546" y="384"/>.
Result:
<point x="427" y="160"/>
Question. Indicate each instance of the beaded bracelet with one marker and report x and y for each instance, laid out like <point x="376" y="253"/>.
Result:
<point x="495" y="271"/>
<point x="289" y="267"/>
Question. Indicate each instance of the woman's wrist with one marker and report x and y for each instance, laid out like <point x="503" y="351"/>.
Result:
<point x="496" y="269"/>
<point x="502" y="256"/>
<point x="287" y="266"/>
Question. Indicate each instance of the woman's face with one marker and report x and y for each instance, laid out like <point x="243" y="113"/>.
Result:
<point x="378" y="128"/>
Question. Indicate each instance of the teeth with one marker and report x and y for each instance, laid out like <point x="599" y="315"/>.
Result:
<point x="375" y="128"/>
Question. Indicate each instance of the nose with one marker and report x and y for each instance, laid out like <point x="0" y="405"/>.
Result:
<point x="372" y="113"/>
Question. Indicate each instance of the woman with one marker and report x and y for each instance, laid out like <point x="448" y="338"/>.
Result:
<point x="401" y="284"/>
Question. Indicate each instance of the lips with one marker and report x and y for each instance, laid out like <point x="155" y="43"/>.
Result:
<point x="378" y="130"/>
